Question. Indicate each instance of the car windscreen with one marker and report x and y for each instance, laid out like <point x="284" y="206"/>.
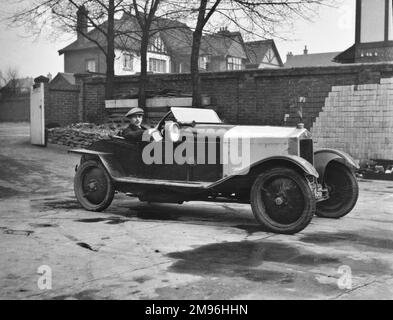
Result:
<point x="187" y="115"/>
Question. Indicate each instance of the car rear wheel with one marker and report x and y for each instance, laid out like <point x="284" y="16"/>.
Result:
<point x="282" y="200"/>
<point x="343" y="191"/>
<point x="93" y="186"/>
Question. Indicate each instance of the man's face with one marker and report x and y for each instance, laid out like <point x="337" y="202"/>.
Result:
<point x="136" y="119"/>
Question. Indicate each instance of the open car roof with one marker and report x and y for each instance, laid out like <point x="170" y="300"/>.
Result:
<point x="188" y="115"/>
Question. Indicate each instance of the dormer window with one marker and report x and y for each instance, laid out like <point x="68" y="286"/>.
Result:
<point x="157" y="46"/>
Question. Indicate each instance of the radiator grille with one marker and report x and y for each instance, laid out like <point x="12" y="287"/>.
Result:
<point x="307" y="150"/>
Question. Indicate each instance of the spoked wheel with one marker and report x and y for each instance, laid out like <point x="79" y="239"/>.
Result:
<point x="93" y="186"/>
<point x="282" y="201"/>
<point x="343" y="191"/>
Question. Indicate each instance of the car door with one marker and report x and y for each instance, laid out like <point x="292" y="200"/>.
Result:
<point x="128" y="154"/>
<point x="159" y="161"/>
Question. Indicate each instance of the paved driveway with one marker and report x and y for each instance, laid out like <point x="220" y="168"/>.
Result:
<point x="194" y="251"/>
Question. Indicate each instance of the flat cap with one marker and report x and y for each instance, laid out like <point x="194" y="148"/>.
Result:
<point x="135" y="111"/>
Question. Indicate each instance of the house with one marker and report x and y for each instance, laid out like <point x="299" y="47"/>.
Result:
<point x="373" y="35"/>
<point x="263" y="54"/>
<point x="169" y="49"/>
<point x="222" y="51"/>
<point x="311" y="59"/>
<point x="227" y="51"/>
<point x="84" y="55"/>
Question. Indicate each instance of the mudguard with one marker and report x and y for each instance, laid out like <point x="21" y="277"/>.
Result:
<point x="107" y="159"/>
<point x="303" y="164"/>
<point x="87" y="151"/>
<point x="323" y="157"/>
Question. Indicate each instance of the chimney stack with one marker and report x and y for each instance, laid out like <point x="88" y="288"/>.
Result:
<point x="305" y="50"/>
<point x="289" y="55"/>
<point x="81" y="24"/>
<point x="224" y="31"/>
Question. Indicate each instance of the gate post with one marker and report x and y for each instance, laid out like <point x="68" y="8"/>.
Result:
<point x="38" y="134"/>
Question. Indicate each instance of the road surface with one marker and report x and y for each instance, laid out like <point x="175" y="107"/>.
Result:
<point x="193" y="251"/>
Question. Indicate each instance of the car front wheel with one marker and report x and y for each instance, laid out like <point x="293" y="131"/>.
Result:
<point x="93" y="186"/>
<point x="282" y="200"/>
<point x="343" y="192"/>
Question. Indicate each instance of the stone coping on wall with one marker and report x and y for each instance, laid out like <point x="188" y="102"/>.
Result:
<point x="315" y="70"/>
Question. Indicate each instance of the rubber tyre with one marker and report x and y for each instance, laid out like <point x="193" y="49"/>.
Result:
<point x="299" y="206"/>
<point x="344" y="191"/>
<point x="93" y="172"/>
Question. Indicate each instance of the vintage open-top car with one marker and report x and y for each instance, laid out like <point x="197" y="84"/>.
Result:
<point x="191" y="155"/>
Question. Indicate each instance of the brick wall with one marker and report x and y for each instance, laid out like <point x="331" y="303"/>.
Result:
<point x="61" y="103"/>
<point x="250" y="96"/>
<point x="14" y="109"/>
<point x="63" y="107"/>
<point x="261" y="97"/>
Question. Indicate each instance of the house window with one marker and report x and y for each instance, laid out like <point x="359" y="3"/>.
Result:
<point x="157" y="46"/>
<point x="157" y="65"/>
<point x="128" y="62"/>
<point x="91" y="65"/>
<point x="234" y="63"/>
<point x="204" y="62"/>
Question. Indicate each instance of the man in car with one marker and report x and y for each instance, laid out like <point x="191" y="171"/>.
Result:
<point x="135" y="130"/>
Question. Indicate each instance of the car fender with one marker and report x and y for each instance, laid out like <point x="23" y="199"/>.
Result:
<point x="323" y="157"/>
<point x="288" y="160"/>
<point x="88" y="152"/>
<point x="301" y="163"/>
<point x="107" y="159"/>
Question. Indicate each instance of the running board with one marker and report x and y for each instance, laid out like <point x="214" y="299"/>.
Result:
<point x="165" y="183"/>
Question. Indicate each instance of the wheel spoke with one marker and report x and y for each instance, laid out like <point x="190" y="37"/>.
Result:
<point x="283" y="199"/>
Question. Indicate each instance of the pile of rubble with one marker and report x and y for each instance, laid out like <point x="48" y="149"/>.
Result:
<point x="80" y="134"/>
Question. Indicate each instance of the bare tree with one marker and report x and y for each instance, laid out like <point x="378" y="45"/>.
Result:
<point x="145" y="12"/>
<point x="254" y="18"/>
<point x="153" y="17"/>
<point x="64" y="15"/>
<point x="101" y="27"/>
<point x="9" y="80"/>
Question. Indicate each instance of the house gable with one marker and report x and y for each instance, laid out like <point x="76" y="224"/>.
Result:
<point x="263" y="54"/>
<point x="63" y="81"/>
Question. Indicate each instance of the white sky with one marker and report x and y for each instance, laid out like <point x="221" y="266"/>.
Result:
<point x="333" y="30"/>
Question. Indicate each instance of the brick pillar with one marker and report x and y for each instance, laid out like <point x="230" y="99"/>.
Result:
<point x="81" y="99"/>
